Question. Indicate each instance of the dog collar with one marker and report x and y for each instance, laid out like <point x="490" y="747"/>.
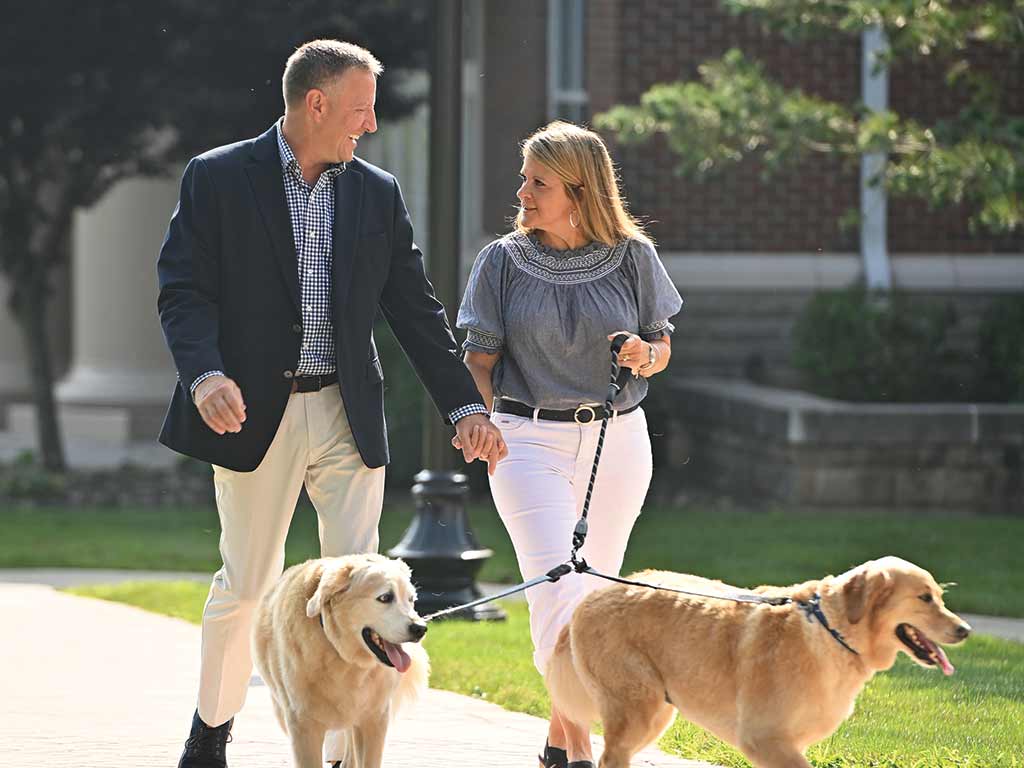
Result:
<point x="813" y="610"/>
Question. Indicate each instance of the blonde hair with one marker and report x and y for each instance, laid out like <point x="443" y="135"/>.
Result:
<point x="580" y="159"/>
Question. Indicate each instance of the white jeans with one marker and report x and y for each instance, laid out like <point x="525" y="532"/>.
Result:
<point x="313" y="446"/>
<point x="539" y="491"/>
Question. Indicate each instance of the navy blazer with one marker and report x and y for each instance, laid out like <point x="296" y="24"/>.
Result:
<point x="229" y="300"/>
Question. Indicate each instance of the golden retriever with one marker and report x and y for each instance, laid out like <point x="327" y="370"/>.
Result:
<point x="336" y="641"/>
<point x="770" y="680"/>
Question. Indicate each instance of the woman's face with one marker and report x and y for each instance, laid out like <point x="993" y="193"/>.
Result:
<point x="543" y="200"/>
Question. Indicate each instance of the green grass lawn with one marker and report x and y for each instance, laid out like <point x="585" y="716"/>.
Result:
<point x="908" y="717"/>
<point x="981" y="554"/>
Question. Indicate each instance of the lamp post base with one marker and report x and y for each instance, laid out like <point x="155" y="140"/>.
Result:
<point x="442" y="550"/>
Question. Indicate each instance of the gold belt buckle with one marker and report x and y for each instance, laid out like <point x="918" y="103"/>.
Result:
<point x="584" y="409"/>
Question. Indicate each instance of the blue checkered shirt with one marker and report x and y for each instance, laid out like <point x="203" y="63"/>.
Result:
<point x="312" y="213"/>
<point x="311" y="209"/>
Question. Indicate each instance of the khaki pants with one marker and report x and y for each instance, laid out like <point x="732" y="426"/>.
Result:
<point x="313" y="446"/>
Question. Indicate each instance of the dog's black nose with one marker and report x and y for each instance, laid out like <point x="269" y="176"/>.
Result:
<point x="417" y="630"/>
<point x="963" y="631"/>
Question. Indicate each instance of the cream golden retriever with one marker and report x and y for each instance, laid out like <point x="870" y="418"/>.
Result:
<point x="770" y="680"/>
<point x="336" y="641"/>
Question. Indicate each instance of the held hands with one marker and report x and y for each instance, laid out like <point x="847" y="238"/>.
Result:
<point x="219" y="401"/>
<point x="478" y="438"/>
<point x="635" y="353"/>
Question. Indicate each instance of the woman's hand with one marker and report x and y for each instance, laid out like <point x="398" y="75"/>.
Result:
<point x="634" y="353"/>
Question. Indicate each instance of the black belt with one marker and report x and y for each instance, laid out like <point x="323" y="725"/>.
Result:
<point x="313" y="383"/>
<point x="583" y="414"/>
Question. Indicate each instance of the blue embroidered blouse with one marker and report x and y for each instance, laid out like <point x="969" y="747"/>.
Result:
<point x="549" y="312"/>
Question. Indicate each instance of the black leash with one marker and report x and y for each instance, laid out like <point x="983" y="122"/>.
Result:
<point x="579" y="536"/>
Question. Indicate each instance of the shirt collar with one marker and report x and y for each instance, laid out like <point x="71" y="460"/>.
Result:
<point x="288" y="161"/>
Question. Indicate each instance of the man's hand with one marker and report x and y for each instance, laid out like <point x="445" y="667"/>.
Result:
<point x="480" y="439"/>
<point x="220" y="403"/>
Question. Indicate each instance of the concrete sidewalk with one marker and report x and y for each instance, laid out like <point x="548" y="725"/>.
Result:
<point x="96" y="685"/>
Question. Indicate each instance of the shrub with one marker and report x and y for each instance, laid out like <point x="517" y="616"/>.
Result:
<point x="860" y="346"/>
<point x="26" y="479"/>
<point x="1001" y="351"/>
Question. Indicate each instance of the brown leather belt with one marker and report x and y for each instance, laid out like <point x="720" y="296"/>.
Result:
<point x="583" y="414"/>
<point x="313" y="383"/>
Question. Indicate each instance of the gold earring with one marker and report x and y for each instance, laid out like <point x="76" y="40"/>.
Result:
<point x="573" y="224"/>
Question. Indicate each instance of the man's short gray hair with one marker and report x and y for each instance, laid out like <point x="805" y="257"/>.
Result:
<point x="318" y="62"/>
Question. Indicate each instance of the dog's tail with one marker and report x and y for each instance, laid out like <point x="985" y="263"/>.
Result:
<point x="413" y="682"/>
<point x="567" y="691"/>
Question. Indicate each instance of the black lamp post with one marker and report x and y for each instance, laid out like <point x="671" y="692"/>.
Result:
<point x="439" y="545"/>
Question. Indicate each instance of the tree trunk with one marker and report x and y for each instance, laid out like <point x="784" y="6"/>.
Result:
<point x="30" y="297"/>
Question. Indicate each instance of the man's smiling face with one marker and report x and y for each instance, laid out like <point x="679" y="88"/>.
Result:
<point x="349" y="113"/>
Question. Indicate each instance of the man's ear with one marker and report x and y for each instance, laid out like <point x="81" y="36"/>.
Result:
<point x="864" y="590"/>
<point x="333" y="581"/>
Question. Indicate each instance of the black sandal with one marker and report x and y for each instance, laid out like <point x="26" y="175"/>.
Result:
<point x="580" y="764"/>
<point x="553" y="757"/>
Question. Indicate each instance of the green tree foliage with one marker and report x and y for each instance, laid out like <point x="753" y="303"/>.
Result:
<point x="736" y="111"/>
<point x="98" y="92"/>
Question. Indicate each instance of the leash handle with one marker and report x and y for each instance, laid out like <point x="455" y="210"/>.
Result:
<point x="579" y="535"/>
<point x="613" y="386"/>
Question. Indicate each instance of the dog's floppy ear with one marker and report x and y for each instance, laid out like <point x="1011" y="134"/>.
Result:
<point x="332" y="582"/>
<point x="865" y="588"/>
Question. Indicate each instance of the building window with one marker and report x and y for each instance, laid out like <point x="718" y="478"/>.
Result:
<point x="567" y="96"/>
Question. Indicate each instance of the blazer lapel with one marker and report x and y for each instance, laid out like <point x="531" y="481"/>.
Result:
<point x="348" y="206"/>
<point x="267" y="181"/>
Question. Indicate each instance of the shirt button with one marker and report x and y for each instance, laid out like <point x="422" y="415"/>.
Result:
<point x="297" y="327"/>
<point x="288" y="374"/>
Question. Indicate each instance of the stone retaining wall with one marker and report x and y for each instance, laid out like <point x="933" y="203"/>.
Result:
<point x="767" y="444"/>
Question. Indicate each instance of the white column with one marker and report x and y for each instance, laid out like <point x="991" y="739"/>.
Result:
<point x="118" y="355"/>
<point x="875" y="94"/>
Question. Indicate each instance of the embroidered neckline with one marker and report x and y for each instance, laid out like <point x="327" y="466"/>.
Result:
<point x="576" y="265"/>
<point x="566" y="253"/>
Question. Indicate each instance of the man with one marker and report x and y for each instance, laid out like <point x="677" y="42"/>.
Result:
<point x="275" y="262"/>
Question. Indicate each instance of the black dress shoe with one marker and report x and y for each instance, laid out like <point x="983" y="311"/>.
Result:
<point x="205" y="745"/>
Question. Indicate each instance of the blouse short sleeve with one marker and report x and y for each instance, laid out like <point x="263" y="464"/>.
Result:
<point x="657" y="297"/>
<point x="481" y="314"/>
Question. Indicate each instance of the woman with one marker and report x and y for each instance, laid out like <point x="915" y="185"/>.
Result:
<point x="540" y="308"/>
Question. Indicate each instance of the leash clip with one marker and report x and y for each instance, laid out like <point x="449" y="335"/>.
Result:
<point x="558" y="572"/>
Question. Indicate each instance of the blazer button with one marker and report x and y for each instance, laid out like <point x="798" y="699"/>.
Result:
<point x="288" y="374"/>
<point x="297" y="327"/>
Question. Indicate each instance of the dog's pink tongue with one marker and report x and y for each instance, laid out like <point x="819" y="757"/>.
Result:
<point x="397" y="656"/>
<point x="947" y="668"/>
